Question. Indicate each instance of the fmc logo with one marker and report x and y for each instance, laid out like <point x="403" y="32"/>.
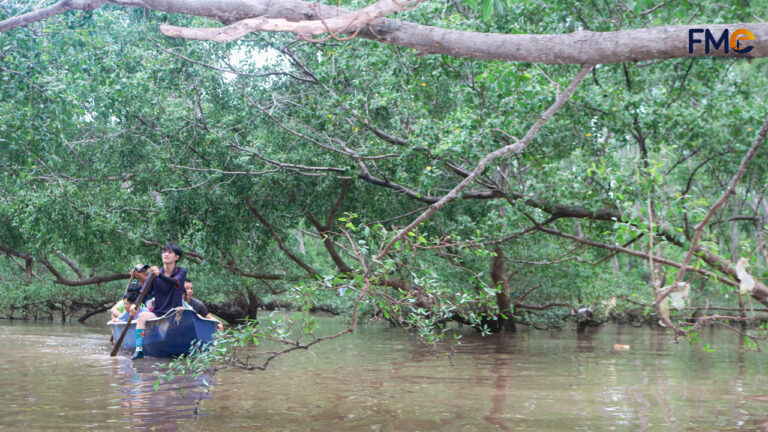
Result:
<point x="736" y="41"/>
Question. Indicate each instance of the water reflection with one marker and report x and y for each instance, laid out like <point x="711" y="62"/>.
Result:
<point x="378" y="379"/>
<point x="64" y="379"/>
<point x="144" y="408"/>
<point x="502" y="378"/>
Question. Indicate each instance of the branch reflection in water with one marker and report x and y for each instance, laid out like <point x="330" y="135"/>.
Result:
<point x="148" y="409"/>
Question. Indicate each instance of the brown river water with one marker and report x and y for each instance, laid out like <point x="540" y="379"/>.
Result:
<point x="60" y="377"/>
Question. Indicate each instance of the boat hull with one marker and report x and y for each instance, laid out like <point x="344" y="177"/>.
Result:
<point x="170" y="335"/>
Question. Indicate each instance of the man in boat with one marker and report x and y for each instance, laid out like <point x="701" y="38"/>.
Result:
<point x="198" y="306"/>
<point x="168" y="288"/>
<point x="120" y="310"/>
<point x="139" y="272"/>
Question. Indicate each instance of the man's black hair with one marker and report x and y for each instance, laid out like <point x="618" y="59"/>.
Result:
<point x="132" y="292"/>
<point x="173" y="248"/>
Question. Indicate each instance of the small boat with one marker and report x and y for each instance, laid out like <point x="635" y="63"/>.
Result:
<point x="171" y="335"/>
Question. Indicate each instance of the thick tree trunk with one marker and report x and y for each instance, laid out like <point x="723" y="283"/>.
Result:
<point x="615" y="264"/>
<point x="503" y="297"/>
<point x="240" y="309"/>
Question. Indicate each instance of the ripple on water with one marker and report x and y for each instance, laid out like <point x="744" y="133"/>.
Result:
<point x="380" y="379"/>
<point x="68" y="381"/>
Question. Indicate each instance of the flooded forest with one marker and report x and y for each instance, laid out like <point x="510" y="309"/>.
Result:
<point x="409" y="215"/>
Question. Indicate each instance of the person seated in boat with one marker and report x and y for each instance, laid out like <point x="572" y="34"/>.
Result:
<point x="129" y="299"/>
<point x="138" y="272"/>
<point x="168" y="288"/>
<point x="197" y="305"/>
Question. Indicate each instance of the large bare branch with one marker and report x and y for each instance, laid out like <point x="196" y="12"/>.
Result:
<point x="583" y="47"/>
<point x="62" y="280"/>
<point x="573" y="48"/>
<point x="70" y="263"/>
<point x="350" y="22"/>
<point x="12" y="252"/>
<point x="47" y="12"/>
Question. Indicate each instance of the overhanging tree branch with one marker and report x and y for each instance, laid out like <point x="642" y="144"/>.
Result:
<point x="12" y="252"/>
<point x="70" y="263"/>
<point x="759" y="291"/>
<point x="62" y="280"/>
<point x="639" y="254"/>
<point x="699" y="229"/>
<point x="584" y="47"/>
<point x="350" y="22"/>
<point x="325" y="230"/>
<point x="47" y="12"/>
<point x="517" y="146"/>
<point x="279" y="239"/>
<point x="572" y="48"/>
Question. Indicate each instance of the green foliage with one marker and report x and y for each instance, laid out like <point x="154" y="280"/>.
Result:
<point x="693" y="339"/>
<point x="113" y="142"/>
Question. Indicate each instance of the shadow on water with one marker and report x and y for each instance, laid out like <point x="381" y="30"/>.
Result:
<point x="64" y="379"/>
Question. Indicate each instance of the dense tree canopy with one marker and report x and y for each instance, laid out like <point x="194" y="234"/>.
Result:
<point x="296" y="171"/>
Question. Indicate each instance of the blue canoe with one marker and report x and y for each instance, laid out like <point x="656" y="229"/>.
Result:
<point x="170" y="335"/>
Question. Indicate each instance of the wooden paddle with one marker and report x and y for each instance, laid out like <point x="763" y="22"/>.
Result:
<point x="144" y="290"/>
